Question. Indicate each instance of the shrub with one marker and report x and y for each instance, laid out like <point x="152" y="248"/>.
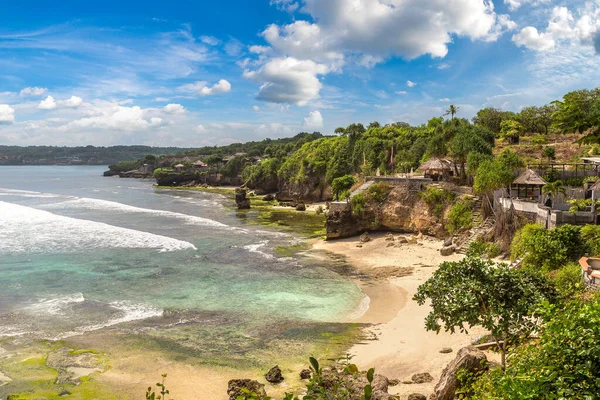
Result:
<point x="358" y="204"/>
<point x="574" y="182"/>
<point x="539" y="139"/>
<point x="161" y="173"/>
<point x="591" y="237"/>
<point x="379" y="191"/>
<point x="478" y="248"/>
<point x="460" y="216"/>
<point x="341" y="185"/>
<point x="547" y="249"/>
<point x="549" y="152"/>
<point x="567" y="280"/>
<point x="437" y="199"/>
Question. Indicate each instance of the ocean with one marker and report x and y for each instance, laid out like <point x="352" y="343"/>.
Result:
<point x="82" y="253"/>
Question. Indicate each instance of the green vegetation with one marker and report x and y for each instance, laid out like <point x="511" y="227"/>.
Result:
<point x="342" y="185"/>
<point x="358" y="204"/>
<point x="460" y="216"/>
<point x="476" y="292"/>
<point x="437" y="199"/>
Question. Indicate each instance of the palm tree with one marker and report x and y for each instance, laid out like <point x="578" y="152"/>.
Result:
<point x="554" y="188"/>
<point x="452" y="111"/>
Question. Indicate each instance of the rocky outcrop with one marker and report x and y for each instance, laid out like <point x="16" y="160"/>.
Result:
<point x="235" y="386"/>
<point x="356" y="384"/>
<point x="311" y="191"/>
<point x="447" y="251"/>
<point x="468" y="359"/>
<point x="243" y="202"/>
<point x="274" y="375"/>
<point x="402" y="211"/>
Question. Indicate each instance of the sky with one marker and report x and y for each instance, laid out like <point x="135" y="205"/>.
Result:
<point x="194" y="72"/>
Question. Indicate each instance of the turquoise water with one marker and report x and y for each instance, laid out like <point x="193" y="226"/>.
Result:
<point x="83" y="253"/>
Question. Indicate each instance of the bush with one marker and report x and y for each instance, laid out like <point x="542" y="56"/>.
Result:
<point x="341" y="185"/>
<point x="161" y="173"/>
<point x="591" y="237"/>
<point x="567" y="280"/>
<point x="563" y="364"/>
<point x="460" y="216"/>
<point x="379" y="191"/>
<point x="478" y="248"/>
<point x="358" y="204"/>
<point x="539" y="139"/>
<point x="574" y="182"/>
<point x="546" y="250"/>
<point x="549" y="152"/>
<point x="437" y="199"/>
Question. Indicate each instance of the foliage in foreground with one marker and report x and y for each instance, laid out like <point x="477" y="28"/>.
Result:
<point x="563" y="364"/>
<point x="475" y="292"/>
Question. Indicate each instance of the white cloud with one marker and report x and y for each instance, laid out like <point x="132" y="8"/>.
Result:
<point x="410" y="84"/>
<point x="174" y="109"/>
<point x="402" y="92"/>
<point x="33" y="91"/>
<point x="286" y="5"/>
<point x="73" y="102"/>
<point x="443" y="66"/>
<point x="313" y="121"/>
<point x="210" y="40"/>
<point x="201" y="88"/>
<point x="380" y="28"/>
<point x="48" y="104"/>
<point x="256" y="108"/>
<point x="115" y="117"/>
<point x="259" y="49"/>
<point x="563" y="27"/>
<point x="7" y="114"/>
<point x="445" y="100"/>
<point x="515" y="4"/>
<point x="530" y="37"/>
<point x="288" y="80"/>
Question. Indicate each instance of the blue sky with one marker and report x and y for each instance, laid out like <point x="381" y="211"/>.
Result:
<point x="194" y="73"/>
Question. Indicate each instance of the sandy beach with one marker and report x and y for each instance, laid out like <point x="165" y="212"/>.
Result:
<point x="402" y="346"/>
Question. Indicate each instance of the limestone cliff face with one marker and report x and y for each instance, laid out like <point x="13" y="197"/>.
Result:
<point x="311" y="191"/>
<point x="402" y="211"/>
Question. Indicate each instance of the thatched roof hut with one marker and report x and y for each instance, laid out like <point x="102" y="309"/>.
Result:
<point x="529" y="177"/>
<point x="436" y="164"/>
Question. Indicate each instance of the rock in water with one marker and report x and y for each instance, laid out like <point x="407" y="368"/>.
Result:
<point x="422" y="378"/>
<point x="365" y="237"/>
<point x="235" y="386"/>
<point x="274" y="375"/>
<point x="467" y="359"/>
<point x="300" y="207"/>
<point x="269" y="197"/>
<point x="305" y="374"/>
<point x="243" y="203"/>
<point x="447" y="251"/>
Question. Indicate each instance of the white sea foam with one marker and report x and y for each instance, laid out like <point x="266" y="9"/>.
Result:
<point x="25" y="193"/>
<point x="56" y="305"/>
<point x="255" y="248"/>
<point x="362" y="309"/>
<point x="29" y="230"/>
<point x="96" y="204"/>
<point x="126" y="312"/>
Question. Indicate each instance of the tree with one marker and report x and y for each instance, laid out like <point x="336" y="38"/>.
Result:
<point x="342" y="184"/>
<point x="563" y="364"/>
<point x="511" y="130"/>
<point x="339" y="130"/>
<point x="477" y="292"/>
<point x="549" y="152"/>
<point x="469" y="140"/>
<point x="492" y="118"/>
<point x="554" y="188"/>
<point x="374" y="124"/>
<point x="579" y="112"/>
<point x="452" y="110"/>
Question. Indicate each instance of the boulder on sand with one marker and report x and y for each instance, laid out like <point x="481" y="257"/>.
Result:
<point x="235" y="386"/>
<point x="274" y="375"/>
<point x="365" y="237"/>
<point x="468" y="359"/>
<point x="422" y="378"/>
<point x="447" y="251"/>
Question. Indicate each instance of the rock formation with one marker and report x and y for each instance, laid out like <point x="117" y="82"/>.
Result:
<point x="235" y="386"/>
<point x="243" y="202"/>
<point x="274" y="375"/>
<point x="468" y="359"/>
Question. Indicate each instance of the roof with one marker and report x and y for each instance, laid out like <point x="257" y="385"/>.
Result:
<point x="436" y="163"/>
<point x="529" y="177"/>
<point x="199" y="163"/>
<point x="595" y="160"/>
<point x="179" y="166"/>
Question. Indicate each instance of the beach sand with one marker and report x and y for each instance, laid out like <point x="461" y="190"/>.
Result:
<point x="402" y="347"/>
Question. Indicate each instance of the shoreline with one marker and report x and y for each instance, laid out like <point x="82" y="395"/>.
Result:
<point x="399" y="345"/>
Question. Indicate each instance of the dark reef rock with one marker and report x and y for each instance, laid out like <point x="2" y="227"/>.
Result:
<point x="274" y="375"/>
<point x="235" y="386"/>
<point x="300" y="207"/>
<point x="243" y="202"/>
<point x="269" y="197"/>
<point x="305" y="374"/>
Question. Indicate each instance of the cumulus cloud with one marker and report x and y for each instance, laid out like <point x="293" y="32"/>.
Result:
<point x="563" y="27"/>
<point x="516" y="4"/>
<point x="286" y="5"/>
<point x="48" y="104"/>
<point x="410" y="84"/>
<point x="174" y="108"/>
<point x="7" y="114"/>
<point x="33" y="91"/>
<point x="288" y="80"/>
<point x="313" y="121"/>
<point x="597" y="42"/>
<point x="201" y="88"/>
<point x="408" y="28"/>
<point x="73" y="102"/>
<point x="115" y="117"/>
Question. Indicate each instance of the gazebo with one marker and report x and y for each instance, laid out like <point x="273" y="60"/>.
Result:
<point x="528" y="185"/>
<point x="436" y="168"/>
<point x="179" y="167"/>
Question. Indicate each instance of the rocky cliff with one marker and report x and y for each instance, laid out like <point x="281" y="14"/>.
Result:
<point x="401" y="210"/>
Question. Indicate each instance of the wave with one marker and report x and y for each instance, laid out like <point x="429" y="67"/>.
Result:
<point x="29" y="230"/>
<point x="362" y="309"/>
<point x="57" y="305"/>
<point x="255" y="248"/>
<point x="96" y="204"/>
<point x="25" y="193"/>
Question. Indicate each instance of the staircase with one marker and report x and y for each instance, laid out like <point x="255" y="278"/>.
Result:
<point x="479" y="227"/>
<point x="362" y="188"/>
